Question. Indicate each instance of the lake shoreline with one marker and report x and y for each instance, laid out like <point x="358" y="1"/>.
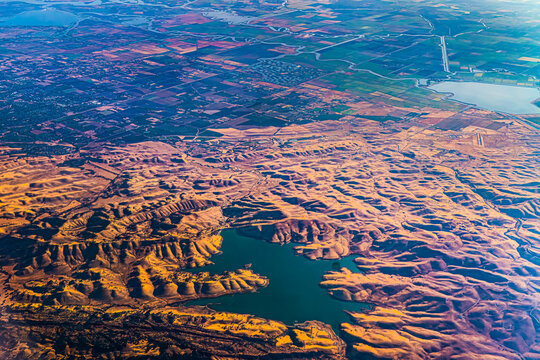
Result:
<point x="294" y="294"/>
<point x="490" y="96"/>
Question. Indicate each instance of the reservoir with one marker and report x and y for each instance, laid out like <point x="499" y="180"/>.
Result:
<point x="293" y="294"/>
<point x="44" y="17"/>
<point x="504" y="98"/>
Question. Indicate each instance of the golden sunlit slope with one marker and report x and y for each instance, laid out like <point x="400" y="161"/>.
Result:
<point x="444" y="229"/>
<point x="169" y="333"/>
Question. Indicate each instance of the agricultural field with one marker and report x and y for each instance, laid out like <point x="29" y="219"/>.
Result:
<point x="275" y="179"/>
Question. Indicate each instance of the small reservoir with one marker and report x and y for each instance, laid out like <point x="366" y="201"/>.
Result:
<point x="505" y="98"/>
<point x="293" y="295"/>
<point x="44" y="17"/>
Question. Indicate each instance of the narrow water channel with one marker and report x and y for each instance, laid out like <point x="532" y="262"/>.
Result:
<point x="293" y="295"/>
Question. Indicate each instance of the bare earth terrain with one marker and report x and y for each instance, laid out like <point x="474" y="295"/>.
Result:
<point x="98" y="245"/>
<point x="136" y="136"/>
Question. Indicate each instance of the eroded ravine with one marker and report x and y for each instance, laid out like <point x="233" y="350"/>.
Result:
<point x="434" y="259"/>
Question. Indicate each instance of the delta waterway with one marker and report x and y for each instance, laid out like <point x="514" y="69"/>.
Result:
<point x="494" y="97"/>
<point x="293" y="294"/>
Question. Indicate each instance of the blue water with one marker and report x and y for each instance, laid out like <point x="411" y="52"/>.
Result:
<point x="293" y="295"/>
<point x="505" y="98"/>
<point x="44" y="17"/>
